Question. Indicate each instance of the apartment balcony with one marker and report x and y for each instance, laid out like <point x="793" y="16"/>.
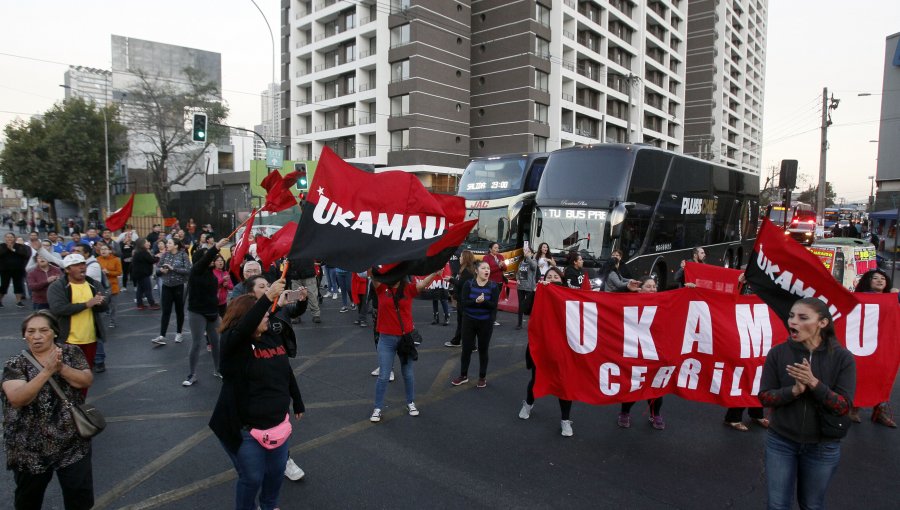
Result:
<point x="366" y="119"/>
<point x="324" y="4"/>
<point x="567" y="97"/>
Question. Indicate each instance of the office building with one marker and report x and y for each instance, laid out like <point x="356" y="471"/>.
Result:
<point x="887" y="176"/>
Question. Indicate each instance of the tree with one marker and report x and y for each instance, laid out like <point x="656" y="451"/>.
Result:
<point x="157" y="112"/>
<point x="61" y="154"/>
<point x="809" y="195"/>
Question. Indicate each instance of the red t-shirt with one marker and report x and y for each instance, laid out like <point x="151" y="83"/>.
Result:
<point x="387" y="312"/>
<point x="497" y="265"/>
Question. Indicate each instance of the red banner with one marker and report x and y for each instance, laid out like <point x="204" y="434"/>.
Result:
<point x="707" y="276"/>
<point x="702" y="345"/>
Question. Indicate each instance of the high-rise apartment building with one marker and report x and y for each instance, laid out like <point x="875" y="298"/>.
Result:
<point x="726" y="62"/>
<point x="424" y="85"/>
<point x="887" y="175"/>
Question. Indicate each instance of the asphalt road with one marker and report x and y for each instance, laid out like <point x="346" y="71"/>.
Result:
<point x="468" y="449"/>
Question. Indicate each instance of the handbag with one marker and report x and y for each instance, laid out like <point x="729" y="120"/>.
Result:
<point x="88" y="420"/>
<point x="832" y="426"/>
<point x="273" y="437"/>
<point x="406" y="349"/>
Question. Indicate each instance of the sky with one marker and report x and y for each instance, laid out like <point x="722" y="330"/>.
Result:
<point x="811" y="44"/>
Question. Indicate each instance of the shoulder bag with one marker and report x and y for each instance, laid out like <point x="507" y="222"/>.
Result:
<point x="88" y="420"/>
<point x="406" y="349"/>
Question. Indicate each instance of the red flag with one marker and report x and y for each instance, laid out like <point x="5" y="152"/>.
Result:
<point x="355" y="220"/>
<point x="708" y="276"/>
<point x="117" y="220"/>
<point x="279" y="196"/>
<point x="241" y="248"/>
<point x="270" y="249"/>
<point x="782" y="271"/>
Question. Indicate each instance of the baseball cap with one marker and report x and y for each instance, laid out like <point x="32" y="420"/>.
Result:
<point x="72" y="259"/>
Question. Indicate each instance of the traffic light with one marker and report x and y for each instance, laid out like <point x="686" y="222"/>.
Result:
<point x="198" y="127"/>
<point x="302" y="181"/>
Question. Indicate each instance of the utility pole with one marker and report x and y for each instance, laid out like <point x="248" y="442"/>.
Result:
<point x="827" y="106"/>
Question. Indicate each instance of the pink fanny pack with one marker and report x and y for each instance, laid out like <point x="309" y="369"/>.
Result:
<point x="274" y="437"/>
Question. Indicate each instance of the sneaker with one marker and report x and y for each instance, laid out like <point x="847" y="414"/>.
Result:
<point x="459" y="380"/>
<point x="482" y="383"/>
<point x="376" y="416"/>
<point x="356" y="322"/>
<point x="376" y="371"/>
<point x="334" y="295"/>
<point x="326" y="295"/>
<point x="160" y="340"/>
<point x="451" y="344"/>
<point x="525" y="412"/>
<point x="353" y="307"/>
<point x="20" y="304"/>
<point x="179" y="338"/>
<point x="153" y="307"/>
<point x="344" y="309"/>
<point x="216" y="374"/>
<point x="624" y="420"/>
<point x="292" y="471"/>
<point x="657" y="422"/>
<point x="317" y="319"/>
<point x="565" y="427"/>
<point x="189" y="381"/>
<point x="100" y="368"/>
<point x="363" y="324"/>
<point x="496" y="323"/>
<point x="391" y="378"/>
<point x="411" y="407"/>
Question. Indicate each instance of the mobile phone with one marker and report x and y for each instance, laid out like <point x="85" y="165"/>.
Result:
<point x="291" y="296"/>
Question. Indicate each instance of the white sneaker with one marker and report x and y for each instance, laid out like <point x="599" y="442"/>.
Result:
<point x="566" y="428"/>
<point x="376" y="371"/>
<point x="160" y="340"/>
<point x="411" y="407"/>
<point x="334" y="295"/>
<point x="376" y="416"/>
<point x="292" y="471"/>
<point x="189" y="381"/>
<point x="525" y="412"/>
<point x="179" y="338"/>
<point x="391" y="379"/>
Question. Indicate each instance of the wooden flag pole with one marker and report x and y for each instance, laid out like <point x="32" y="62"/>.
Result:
<point x="283" y="275"/>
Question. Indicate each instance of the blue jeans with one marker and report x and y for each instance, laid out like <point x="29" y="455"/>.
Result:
<point x="331" y="274"/>
<point x="260" y="471"/>
<point x="387" y="350"/>
<point x="343" y="280"/>
<point x="100" y="357"/>
<point x="810" y="465"/>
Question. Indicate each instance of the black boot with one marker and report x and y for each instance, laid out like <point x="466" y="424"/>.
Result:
<point x="446" y="319"/>
<point x="437" y="318"/>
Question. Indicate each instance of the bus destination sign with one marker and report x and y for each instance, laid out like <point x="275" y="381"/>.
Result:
<point x="479" y="186"/>
<point x="575" y="214"/>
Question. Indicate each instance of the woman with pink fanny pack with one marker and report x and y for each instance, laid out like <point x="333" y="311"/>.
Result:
<point x="252" y="415"/>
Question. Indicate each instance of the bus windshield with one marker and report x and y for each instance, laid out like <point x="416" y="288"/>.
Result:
<point x="776" y="215"/>
<point x="573" y="229"/>
<point x="493" y="226"/>
<point x="492" y="178"/>
<point x="586" y="177"/>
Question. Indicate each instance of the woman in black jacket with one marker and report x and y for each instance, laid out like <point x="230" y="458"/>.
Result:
<point x="806" y="378"/>
<point x="141" y="270"/>
<point x="257" y="394"/>
<point x="203" y="310"/>
<point x="466" y="273"/>
<point x="13" y="259"/>
<point x="479" y="298"/>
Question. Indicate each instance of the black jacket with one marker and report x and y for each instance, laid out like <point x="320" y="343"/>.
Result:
<point x="796" y="418"/>
<point x="13" y="261"/>
<point x="243" y="369"/>
<point x="204" y="286"/>
<point x="142" y="264"/>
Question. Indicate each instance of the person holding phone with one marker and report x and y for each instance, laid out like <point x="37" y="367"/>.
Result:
<point x="174" y="268"/>
<point x="479" y="299"/>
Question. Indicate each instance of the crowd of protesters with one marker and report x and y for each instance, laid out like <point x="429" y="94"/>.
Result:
<point x="247" y="327"/>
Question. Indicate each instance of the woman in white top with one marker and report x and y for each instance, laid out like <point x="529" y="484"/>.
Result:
<point x="544" y="259"/>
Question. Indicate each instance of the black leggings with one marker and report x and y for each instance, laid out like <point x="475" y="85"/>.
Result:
<point x="736" y="414"/>
<point x="170" y="296"/>
<point x="126" y="271"/>
<point x="655" y="405"/>
<point x="526" y="299"/>
<point x="565" y="406"/>
<point x="472" y="328"/>
<point x="17" y="280"/>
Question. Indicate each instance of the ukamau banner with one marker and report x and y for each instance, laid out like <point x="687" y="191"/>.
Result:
<point x="702" y="345"/>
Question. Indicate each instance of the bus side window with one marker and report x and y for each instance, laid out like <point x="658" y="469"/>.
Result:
<point x="534" y="176"/>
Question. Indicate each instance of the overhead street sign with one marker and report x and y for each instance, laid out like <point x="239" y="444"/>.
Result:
<point x="274" y="157"/>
